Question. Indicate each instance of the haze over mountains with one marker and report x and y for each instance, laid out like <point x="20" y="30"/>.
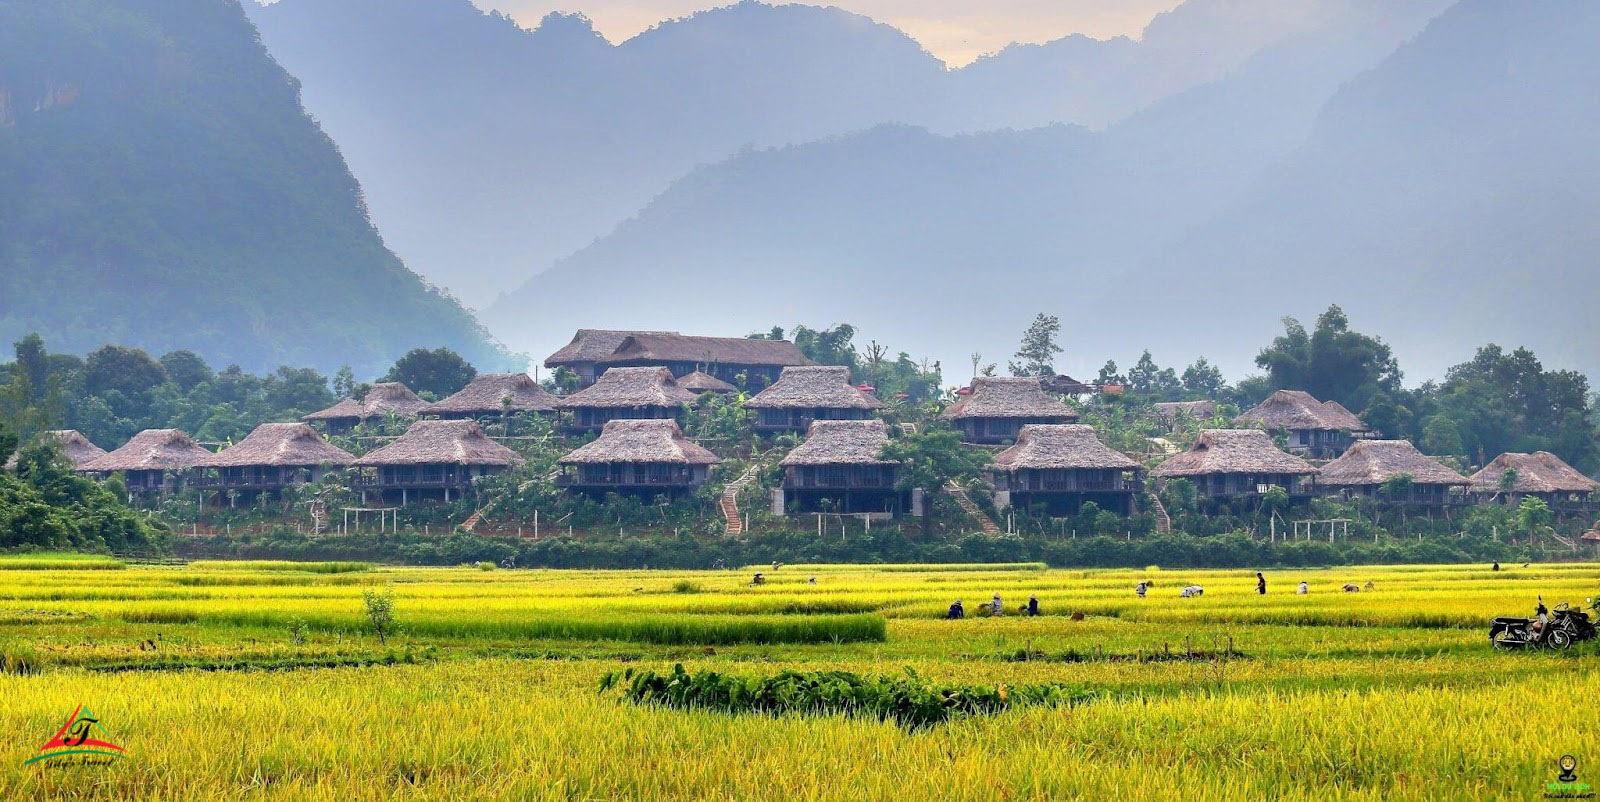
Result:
<point x="161" y="187"/>
<point x="488" y="152"/>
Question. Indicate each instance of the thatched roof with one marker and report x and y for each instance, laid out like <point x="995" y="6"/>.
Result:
<point x="630" y="387"/>
<point x="150" y="450"/>
<point x="1066" y="385"/>
<point x="1539" y="472"/>
<point x="1222" y="451"/>
<point x="672" y="347"/>
<point x="997" y="397"/>
<point x="641" y="441"/>
<point x="485" y="394"/>
<point x="381" y="399"/>
<point x="702" y="382"/>
<point x="590" y="345"/>
<point x="815" y="387"/>
<point x="842" y="442"/>
<point x="1061" y="446"/>
<point x="1198" y="410"/>
<point x="278" y="444"/>
<point x="1296" y="409"/>
<point x="72" y="444"/>
<point x="1372" y="462"/>
<point x="443" y="442"/>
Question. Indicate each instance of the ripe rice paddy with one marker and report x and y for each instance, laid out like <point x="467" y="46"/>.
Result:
<point x="262" y="680"/>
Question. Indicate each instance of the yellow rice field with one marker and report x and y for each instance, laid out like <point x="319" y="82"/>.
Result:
<point x="261" y="681"/>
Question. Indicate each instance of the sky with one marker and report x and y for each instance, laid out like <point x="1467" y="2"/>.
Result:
<point x="956" y="31"/>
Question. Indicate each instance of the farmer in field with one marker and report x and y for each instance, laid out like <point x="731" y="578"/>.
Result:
<point x="1033" y="604"/>
<point x="1141" y="588"/>
<point x="1303" y="589"/>
<point x="1261" y="584"/>
<point x="758" y="579"/>
<point x="956" y="610"/>
<point x="1496" y="566"/>
<point x="999" y="607"/>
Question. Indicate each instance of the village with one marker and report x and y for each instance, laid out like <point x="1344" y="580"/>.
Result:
<point x="809" y="449"/>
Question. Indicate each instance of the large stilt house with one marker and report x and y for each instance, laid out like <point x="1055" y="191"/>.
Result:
<point x="995" y="409"/>
<point x="838" y="469"/>
<point x="1238" y="463"/>
<point x="72" y="445"/>
<point x="489" y="396"/>
<point x="439" y="459"/>
<point x="1511" y="477"/>
<point x="641" y="457"/>
<point x="154" y="461"/>
<point x="1315" y="429"/>
<point x="1061" y="466"/>
<point x="273" y="457"/>
<point x="626" y="394"/>
<point x="805" y="394"/>
<point x="748" y="363"/>
<point x="381" y="401"/>
<point x="1369" y="465"/>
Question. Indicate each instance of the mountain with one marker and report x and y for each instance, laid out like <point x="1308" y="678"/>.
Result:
<point x="1445" y="195"/>
<point x="489" y="151"/>
<point x="951" y="243"/>
<point x="161" y="186"/>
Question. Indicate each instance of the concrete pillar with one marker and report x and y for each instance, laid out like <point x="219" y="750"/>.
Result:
<point x="918" y="499"/>
<point x="1002" y="499"/>
<point x="777" y="501"/>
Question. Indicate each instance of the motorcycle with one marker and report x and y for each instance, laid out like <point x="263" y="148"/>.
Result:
<point x="1558" y="631"/>
<point x="1511" y="632"/>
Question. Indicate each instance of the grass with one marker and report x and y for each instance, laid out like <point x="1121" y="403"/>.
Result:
<point x="487" y="687"/>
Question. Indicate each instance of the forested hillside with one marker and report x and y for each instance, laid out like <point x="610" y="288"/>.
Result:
<point x="161" y="186"/>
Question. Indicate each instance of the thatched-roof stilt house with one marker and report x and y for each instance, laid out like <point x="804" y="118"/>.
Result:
<point x="155" y="460"/>
<point x="1238" y="463"/>
<point x="382" y="400"/>
<point x="737" y="360"/>
<point x="490" y="395"/>
<point x="647" y="457"/>
<point x="626" y="394"/>
<point x="805" y="394"/>
<point x="1322" y="430"/>
<point x="70" y="442"/>
<point x="1061" y="466"/>
<point x="272" y="457"/>
<point x="1540" y="475"/>
<point x="1364" y="469"/>
<point x="838" y="469"/>
<point x="996" y="409"/>
<point x="433" y="459"/>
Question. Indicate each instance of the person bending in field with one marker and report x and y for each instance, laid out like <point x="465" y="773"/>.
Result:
<point x="999" y="608"/>
<point x="1261" y="584"/>
<point x="1303" y="589"/>
<point x="956" y="610"/>
<point x="758" y="579"/>
<point x="1141" y="588"/>
<point x="1033" y="604"/>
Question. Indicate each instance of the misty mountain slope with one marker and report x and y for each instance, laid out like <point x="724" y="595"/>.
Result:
<point x="949" y="241"/>
<point x="488" y="152"/>
<point x="161" y="187"/>
<point x="1446" y="195"/>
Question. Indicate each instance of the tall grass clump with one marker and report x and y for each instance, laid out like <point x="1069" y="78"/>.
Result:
<point x="909" y="702"/>
<point x="325" y="567"/>
<point x="63" y="562"/>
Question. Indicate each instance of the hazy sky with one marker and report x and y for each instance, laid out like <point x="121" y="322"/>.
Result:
<point x="957" y="31"/>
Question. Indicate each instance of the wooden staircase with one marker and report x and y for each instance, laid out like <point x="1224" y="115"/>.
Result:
<point x="1163" y="521"/>
<point x="730" y="502"/>
<point x="477" y="515"/>
<point x="964" y="501"/>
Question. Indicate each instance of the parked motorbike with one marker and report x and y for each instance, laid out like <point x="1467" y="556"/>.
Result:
<point x="1510" y="632"/>
<point x="1545" y="630"/>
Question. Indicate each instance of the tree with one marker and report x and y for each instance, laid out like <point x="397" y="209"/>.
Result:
<point x="8" y="444"/>
<point x="1332" y="363"/>
<point x="129" y="371"/>
<point x="1441" y="437"/>
<point x="344" y="382"/>
<point x="186" y="369"/>
<point x="1038" y="350"/>
<point x="930" y="459"/>
<point x="297" y="389"/>
<point x="1203" y="380"/>
<point x="1109" y="375"/>
<point x="1150" y="379"/>
<point x="441" y="371"/>
<point x="380" y="612"/>
<point x="1533" y="516"/>
<point x="828" y="346"/>
<point x="33" y="364"/>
